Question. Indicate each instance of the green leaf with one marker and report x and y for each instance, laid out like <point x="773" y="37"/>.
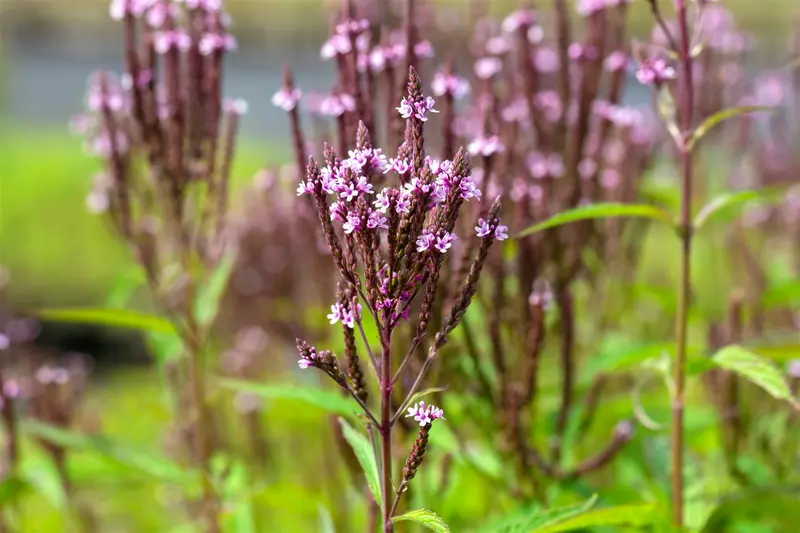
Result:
<point x="601" y="210"/>
<point x="120" y="318"/>
<point x="719" y="117"/>
<point x="330" y="401"/>
<point x="727" y="201"/>
<point x="429" y="519"/>
<point x="553" y="517"/>
<point x="11" y="488"/>
<point x="534" y="519"/>
<point x="782" y="294"/>
<point x="756" y="369"/>
<point x="325" y="520"/>
<point x="667" y="110"/>
<point x="774" y="508"/>
<point x="151" y="464"/>
<point x="366" y="458"/>
<point x="210" y="294"/>
<point x="624" y="515"/>
<point x="124" y="288"/>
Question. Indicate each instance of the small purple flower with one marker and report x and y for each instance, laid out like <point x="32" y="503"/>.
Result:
<point x="499" y="45"/>
<point x="348" y="191"/>
<point x="654" y="72"/>
<point x="487" y="67"/>
<point x="338" y="212"/>
<point x="337" y="44"/>
<point x="500" y="232"/>
<point x="616" y="61"/>
<point x="444" y="240"/>
<point x="425" y="241"/>
<point x="382" y="201"/>
<point x="399" y="166"/>
<point x="518" y="19"/>
<point x="425" y="414"/>
<point x="423" y="50"/>
<point x="449" y="84"/>
<point x="353" y="223"/>
<point x="483" y="228"/>
<point x="586" y="8"/>
<point x="336" y="313"/>
<point x="418" y="110"/>
<point x="337" y="105"/>
<point x="286" y="99"/>
<point x="403" y="202"/>
<point x="164" y="41"/>
<point x="376" y="220"/>
<point x="305" y="188"/>
<point x="486" y="146"/>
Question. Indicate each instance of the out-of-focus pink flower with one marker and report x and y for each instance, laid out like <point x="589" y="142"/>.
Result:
<point x="654" y="72"/>
<point x="286" y="99"/>
<point x="487" y="67"/>
<point x="449" y="83"/>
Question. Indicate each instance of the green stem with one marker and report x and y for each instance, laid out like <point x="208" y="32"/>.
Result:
<point x="684" y="284"/>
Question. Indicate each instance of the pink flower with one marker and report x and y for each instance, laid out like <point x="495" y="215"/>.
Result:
<point x="518" y="19"/>
<point x="286" y="99"/>
<point x="425" y="241"/>
<point x="164" y="41"/>
<point x="616" y="61"/>
<point x="337" y="105"/>
<point x="486" y="146"/>
<point x="215" y="42"/>
<point x="654" y="72"/>
<point x="444" y="240"/>
<point x="483" y="228"/>
<point x="425" y="414"/>
<point x="418" y="110"/>
<point x="487" y="67"/>
<point x="449" y="84"/>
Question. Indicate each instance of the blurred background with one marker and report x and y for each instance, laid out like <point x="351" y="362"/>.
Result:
<point x="54" y="252"/>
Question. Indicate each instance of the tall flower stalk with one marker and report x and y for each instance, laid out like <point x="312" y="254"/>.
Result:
<point x="390" y="247"/>
<point x="167" y="139"/>
<point x="686" y="108"/>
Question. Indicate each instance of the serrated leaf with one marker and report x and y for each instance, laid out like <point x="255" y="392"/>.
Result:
<point x="210" y="294"/>
<point x="148" y="463"/>
<point x="758" y="370"/>
<point x="624" y="515"/>
<point x="120" y="318"/>
<point x="601" y="210"/>
<point x="727" y="201"/>
<point x="719" y="117"/>
<point x="330" y="401"/>
<point x="429" y="519"/>
<point x="366" y="458"/>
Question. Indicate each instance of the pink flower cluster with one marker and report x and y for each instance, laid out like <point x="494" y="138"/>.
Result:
<point x="417" y="109"/>
<point x="425" y="414"/>
<point x="449" y="84"/>
<point x="340" y="313"/>
<point x="654" y="72"/>
<point x="486" y="228"/>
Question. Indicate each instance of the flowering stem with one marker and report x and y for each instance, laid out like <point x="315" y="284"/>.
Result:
<point x="684" y="284"/>
<point x="417" y="382"/>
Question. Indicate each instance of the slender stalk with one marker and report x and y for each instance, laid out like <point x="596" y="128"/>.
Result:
<point x="386" y="432"/>
<point x="684" y="284"/>
<point x="194" y="348"/>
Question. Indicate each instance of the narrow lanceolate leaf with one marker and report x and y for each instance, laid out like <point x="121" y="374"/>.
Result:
<point x="366" y="458"/>
<point x="727" y="201"/>
<point x="536" y="520"/>
<point x="622" y="516"/>
<point x="601" y="210"/>
<point x="149" y="463"/>
<point x="429" y="519"/>
<point x="120" y="318"/>
<point x="324" y="399"/>
<point x="717" y="118"/>
<point x="756" y="369"/>
<point x="210" y="294"/>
